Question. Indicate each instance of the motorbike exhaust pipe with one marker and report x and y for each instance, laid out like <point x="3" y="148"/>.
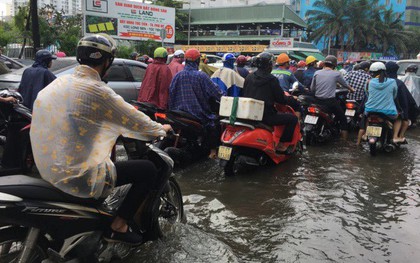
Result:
<point x="389" y="148"/>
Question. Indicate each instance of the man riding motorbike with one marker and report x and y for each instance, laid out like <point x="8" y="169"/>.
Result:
<point x="192" y="91"/>
<point x="283" y="74"/>
<point x="324" y="85"/>
<point x="358" y="80"/>
<point x="176" y="64"/>
<point x="241" y="62"/>
<point x="262" y="85"/>
<point x="308" y="74"/>
<point x="227" y="78"/>
<point x="76" y="122"/>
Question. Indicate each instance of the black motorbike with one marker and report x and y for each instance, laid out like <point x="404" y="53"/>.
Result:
<point x="353" y="114"/>
<point x="379" y="134"/>
<point x="15" y="123"/>
<point x="320" y="124"/>
<point x="39" y="223"/>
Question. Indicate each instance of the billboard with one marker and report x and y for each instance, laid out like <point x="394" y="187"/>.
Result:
<point x="129" y="20"/>
<point x="281" y="43"/>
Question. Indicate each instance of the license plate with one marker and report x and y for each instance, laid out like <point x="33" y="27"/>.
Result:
<point x="224" y="152"/>
<point x="374" y="131"/>
<point x="350" y="113"/>
<point x="311" y="119"/>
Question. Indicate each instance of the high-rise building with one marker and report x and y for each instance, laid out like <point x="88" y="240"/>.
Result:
<point x="70" y="7"/>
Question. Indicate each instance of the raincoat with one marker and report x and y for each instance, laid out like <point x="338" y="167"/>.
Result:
<point x="228" y="80"/>
<point x="413" y="85"/>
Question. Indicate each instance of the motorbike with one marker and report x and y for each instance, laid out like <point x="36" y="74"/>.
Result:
<point x="15" y="123"/>
<point x="39" y="223"/>
<point x="247" y="143"/>
<point x="379" y="134"/>
<point x="353" y="114"/>
<point x="320" y="124"/>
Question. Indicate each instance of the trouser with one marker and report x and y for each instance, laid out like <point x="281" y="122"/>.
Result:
<point x="16" y="144"/>
<point x="334" y="107"/>
<point x="288" y="120"/>
<point x="213" y="134"/>
<point x="142" y="174"/>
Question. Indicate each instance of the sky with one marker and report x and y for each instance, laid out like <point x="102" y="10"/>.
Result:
<point x="3" y="6"/>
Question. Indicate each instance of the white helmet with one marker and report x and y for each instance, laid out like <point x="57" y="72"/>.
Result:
<point x="377" y="66"/>
<point x="179" y="53"/>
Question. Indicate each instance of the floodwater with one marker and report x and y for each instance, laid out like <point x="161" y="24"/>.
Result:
<point x="335" y="203"/>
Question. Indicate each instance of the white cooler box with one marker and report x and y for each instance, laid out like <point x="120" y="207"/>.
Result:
<point x="248" y="108"/>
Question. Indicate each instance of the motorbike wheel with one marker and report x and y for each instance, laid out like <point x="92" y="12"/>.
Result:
<point x="171" y="209"/>
<point x="12" y="242"/>
<point x="231" y="168"/>
<point x="372" y="149"/>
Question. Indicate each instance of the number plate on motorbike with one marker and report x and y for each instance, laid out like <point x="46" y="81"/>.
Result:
<point x="350" y="113"/>
<point x="311" y="119"/>
<point x="374" y="131"/>
<point x="224" y="152"/>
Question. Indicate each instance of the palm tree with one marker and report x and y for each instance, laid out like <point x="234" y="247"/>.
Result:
<point x="329" y="18"/>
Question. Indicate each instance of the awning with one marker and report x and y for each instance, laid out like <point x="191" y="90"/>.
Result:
<point x="296" y="56"/>
<point x="318" y="56"/>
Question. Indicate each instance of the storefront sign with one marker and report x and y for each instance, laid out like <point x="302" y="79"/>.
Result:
<point x="129" y="20"/>
<point x="281" y="43"/>
<point x="355" y="56"/>
<point x="226" y="48"/>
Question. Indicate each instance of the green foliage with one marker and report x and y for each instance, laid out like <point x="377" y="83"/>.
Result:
<point x="358" y="25"/>
<point x="124" y="51"/>
<point x="181" y="19"/>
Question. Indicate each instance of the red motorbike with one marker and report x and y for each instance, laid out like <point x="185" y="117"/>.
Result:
<point x="248" y="143"/>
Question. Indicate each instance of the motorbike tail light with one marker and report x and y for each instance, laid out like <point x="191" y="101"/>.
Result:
<point x="136" y="107"/>
<point x="229" y="135"/>
<point x="160" y="115"/>
<point x="375" y="119"/>
<point x="350" y="105"/>
<point x="312" y="109"/>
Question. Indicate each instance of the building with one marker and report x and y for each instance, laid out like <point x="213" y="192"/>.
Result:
<point x="70" y="7"/>
<point x="412" y="14"/>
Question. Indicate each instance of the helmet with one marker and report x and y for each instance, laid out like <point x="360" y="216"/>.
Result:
<point x="347" y="62"/>
<point x="241" y="60"/>
<point x="332" y="60"/>
<point x="160" y="52"/>
<point x="179" y="54"/>
<point x="293" y="62"/>
<point x="301" y="64"/>
<point x="95" y="49"/>
<point x="412" y="68"/>
<point x="364" y="65"/>
<point x="310" y="59"/>
<point x="203" y="57"/>
<point x="377" y="66"/>
<point x="228" y="56"/>
<point x="134" y="55"/>
<point x="44" y="56"/>
<point x="193" y="54"/>
<point x="264" y="60"/>
<point x="282" y="59"/>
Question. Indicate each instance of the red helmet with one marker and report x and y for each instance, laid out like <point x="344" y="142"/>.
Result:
<point x="192" y="54"/>
<point x="241" y="60"/>
<point x="301" y="64"/>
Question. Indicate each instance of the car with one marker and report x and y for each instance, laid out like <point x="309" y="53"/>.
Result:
<point x="124" y="76"/>
<point x="405" y="63"/>
<point x="11" y="63"/>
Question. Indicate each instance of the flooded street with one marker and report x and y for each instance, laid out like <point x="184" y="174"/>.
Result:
<point x="335" y="203"/>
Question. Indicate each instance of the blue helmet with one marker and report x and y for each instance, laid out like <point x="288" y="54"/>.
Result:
<point x="228" y="56"/>
<point x="44" y="56"/>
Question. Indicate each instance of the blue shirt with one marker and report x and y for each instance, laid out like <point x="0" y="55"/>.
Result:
<point x="381" y="96"/>
<point x="308" y="74"/>
<point x="191" y="90"/>
<point x="286" y="79"/>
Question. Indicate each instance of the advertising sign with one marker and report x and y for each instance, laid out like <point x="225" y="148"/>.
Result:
<point x="227" y="48"/>
<point x="281" y="43"/>
<point x="355" y="56"/>
<point x="129" y="20"/>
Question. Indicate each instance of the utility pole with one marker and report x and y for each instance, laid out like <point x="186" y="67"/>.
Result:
<point x="35" y="25"/>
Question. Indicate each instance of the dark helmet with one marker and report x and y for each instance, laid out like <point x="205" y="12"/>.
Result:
<point x="95" y="49"/>
<point x="412" y="68"/>
<point x="134" y="55"/>
<point x="44" y="56"/>
<point x="264" y="60"/>
<point x="391" y="67"/>
<point x="331" y="60"/>
<point x="364" y="65"/>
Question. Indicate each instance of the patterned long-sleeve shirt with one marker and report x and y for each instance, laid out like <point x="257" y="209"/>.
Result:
<point x="357" y="79"/>
<point x="191" y="90"/>
<point x="76" y="122"/>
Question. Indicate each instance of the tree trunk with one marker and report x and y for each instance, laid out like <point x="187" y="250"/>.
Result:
<point x="27" y="27"/>
<point x="35" y="25"/>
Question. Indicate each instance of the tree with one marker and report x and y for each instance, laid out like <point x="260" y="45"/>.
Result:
<point x="180" y="18"/>
<point x="35" y="24"/>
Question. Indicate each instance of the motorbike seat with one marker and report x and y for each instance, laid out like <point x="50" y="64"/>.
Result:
<point x="27" y="187"/>
<point x="264" y="126"/>
<point x="183" y="114"/>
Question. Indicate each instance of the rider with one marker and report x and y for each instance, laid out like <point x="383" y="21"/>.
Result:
<point x="134" y="55"/>
<point x="204" y="67"/>
<point x="262" y="85"/>
<point x="155" y="85"/>
<point x="76" y="122"/>
<point x="176" y="64"/>
<point x="358" y="80"/>
<point x="283" y="74"/>
<point x="308" y="74"/>
<point x="240" y="66"/>
<point x="191" y="91"/>
<point x="324" y="85"/>
<point x="37" y="77"/>
<point x="382" y="92"/>
<point x="301" y="65"/>
<point x="227" y="78"/>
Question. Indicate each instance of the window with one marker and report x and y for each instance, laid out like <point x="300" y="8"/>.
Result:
<point x="137" y="72"/>
<point x="116" y="73"/>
